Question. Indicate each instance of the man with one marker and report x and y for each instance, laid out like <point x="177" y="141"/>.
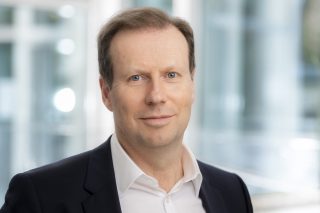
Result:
<point x="147" y="65"/>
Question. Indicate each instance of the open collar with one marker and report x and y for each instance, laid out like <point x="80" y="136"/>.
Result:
<point x="103" y="195"/>
<point x="127" y="171"/>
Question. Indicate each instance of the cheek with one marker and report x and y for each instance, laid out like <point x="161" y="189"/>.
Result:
<point x="186" y="96"/>
<point x="121" y="115"/>
<point x="183" y="101"/>
<point x="125" y="103"/>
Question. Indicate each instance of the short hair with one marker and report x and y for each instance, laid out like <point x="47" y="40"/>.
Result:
<point x="136" y="19"/>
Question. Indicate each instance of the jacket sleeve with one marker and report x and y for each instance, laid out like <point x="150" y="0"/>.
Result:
<point x="21" y="196"/>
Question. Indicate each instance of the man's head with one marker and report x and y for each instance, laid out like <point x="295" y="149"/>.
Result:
<point x="147" y="78"/>
<point x="138" y="19"/>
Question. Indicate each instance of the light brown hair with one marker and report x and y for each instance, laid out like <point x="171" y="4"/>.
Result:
<point x="136" y="19"/>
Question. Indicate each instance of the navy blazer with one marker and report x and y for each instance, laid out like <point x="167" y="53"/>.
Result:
<point x="85" y="183"/>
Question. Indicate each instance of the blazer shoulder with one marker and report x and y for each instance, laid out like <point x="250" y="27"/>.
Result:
<point x="229" y="185"/>
<point x="209" y="170"/>
<point x="71" y="168"/>
<point x="57" y="186"/>
<point x="220" y="178"/>
<point x="67" y="164"/>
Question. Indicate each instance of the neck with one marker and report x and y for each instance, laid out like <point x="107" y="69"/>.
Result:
<point x="162" y="163"/>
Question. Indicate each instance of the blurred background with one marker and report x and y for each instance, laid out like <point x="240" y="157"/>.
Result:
<point x="257" y="111"/>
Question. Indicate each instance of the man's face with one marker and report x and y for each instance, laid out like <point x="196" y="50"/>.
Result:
<point x="152" y="91"/>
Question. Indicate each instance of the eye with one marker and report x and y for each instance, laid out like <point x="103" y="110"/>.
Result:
<point x="135" y="78"/>
<point x="172" y="74"/>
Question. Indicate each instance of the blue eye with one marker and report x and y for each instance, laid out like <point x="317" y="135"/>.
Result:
<point x="135" y="78"/>
<point x="172" y="74"/>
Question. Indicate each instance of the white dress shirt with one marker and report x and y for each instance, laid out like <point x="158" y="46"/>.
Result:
<point x="140" y="193"/>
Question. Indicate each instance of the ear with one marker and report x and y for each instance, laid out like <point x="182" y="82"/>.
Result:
<point x="105" y="93"/>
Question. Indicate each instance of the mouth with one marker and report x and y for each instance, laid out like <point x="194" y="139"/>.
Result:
<point x="157" y="120"/>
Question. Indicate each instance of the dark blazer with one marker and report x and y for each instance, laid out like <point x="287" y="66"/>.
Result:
<point x="85" y="183"/>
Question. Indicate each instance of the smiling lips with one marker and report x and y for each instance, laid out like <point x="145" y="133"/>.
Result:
<point x="157" y="121"/>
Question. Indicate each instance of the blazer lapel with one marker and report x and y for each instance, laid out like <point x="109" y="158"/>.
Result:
<point x="212" y="201"/>
<point x="101" y="183"/>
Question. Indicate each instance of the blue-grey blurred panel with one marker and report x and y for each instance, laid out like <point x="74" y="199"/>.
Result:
<point x="6" y="15"/>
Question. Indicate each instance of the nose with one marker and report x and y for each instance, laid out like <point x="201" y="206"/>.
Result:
<point x="156" y="93"/>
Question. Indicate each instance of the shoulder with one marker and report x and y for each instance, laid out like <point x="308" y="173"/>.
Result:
<point x="214" y="172"/>
<point x="66" y="174"/>
<point x="229" y="186"/>
<point x="52" y="185"/>
<point x="55" y="176"/>
<point x="221" y="179"/>
<point x="70" y="168"/>
<point x="62" y="167"/>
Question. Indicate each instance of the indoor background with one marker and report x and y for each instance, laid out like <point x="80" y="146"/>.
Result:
<point x="257" y="110"/>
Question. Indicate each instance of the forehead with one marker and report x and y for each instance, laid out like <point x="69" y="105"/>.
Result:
<point x="148" y="32"/>
<point x="150" y="44"/>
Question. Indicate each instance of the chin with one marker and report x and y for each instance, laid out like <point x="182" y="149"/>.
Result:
<point x="160" y="140"/>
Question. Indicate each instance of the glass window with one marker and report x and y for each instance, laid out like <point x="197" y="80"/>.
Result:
<point x="6" y="15"/>
<point x="311" y="65"/>
<point x="6" y="100"/>
<point x="5" y="60"/>
<point x="162" y="4"/>
<point x="6" y="106"/>
<point x="46" y="17"/>
<point x="259" y="94"/>
<point x="42" y="80"/>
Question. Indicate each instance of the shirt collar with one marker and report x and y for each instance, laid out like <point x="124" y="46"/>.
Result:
<point x="191" y="169"/>
<point x="127" y="172"/>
